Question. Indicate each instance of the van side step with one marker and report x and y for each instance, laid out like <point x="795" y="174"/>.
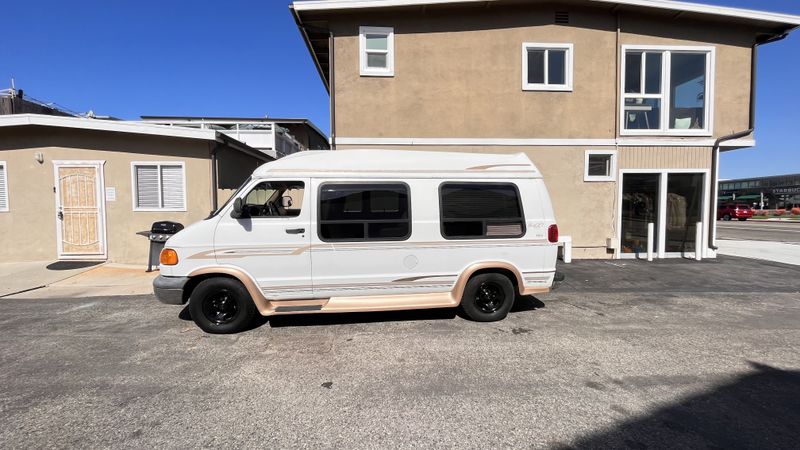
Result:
<point x="298" y="308"/>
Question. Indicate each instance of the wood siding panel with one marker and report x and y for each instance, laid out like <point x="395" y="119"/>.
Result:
<point x="664" y="158"/>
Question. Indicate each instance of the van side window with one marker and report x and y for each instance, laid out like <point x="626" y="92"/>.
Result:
<point x="274" y="199"/>
<point x="480" y="211"/>
<point x="364" y="212"/>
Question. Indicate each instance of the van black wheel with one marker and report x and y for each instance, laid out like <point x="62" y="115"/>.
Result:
<point x="221" y="306"/>
<point x="487" y="297"/>
<point x="742" y="219"/>
<point x="726" y="217"/>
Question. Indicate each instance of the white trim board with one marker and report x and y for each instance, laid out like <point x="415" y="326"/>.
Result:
<point x="740" y="13"/>
<point x="524" y="142"/>
<point x="106" y="125"/>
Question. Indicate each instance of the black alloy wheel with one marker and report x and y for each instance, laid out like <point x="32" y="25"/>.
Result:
<point x="489" y="297"/>
<point x="221" y="305"/>
<point x="220" y="308"/>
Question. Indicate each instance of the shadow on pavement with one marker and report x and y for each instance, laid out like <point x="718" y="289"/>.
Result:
<point x="526" y="303"/>
<point x="303" y="320"/>
<point x="71" y="265"/>
<point x="759" y="409"/>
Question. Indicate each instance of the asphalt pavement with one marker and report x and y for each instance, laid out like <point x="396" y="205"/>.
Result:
<point x="784" y="231"/>
<point x="626" y="354"/>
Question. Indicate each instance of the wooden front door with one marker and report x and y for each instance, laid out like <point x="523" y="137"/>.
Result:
<point x="79" y="211"/>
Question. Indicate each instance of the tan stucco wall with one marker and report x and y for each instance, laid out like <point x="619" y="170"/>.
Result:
<point x="458" y="72"/>
<point x="28" y="231"/>
<point x="587" y="211"/>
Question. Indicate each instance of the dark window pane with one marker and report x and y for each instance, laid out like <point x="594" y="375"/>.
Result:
<point x="386" y="201"/>
<point x="387" y="230"/>
<point x="557" y="67"/>
<point x="353" y="231"/>
<point x="652" y="78"/>
<point x="599" y="165"/>
<point x="481" y="210"/>
<point x="535" y="66"/>
<point x="633" y="72"/>
<point x="479" y="200"/>
<point x="346" y="209"/>
<point x="463" y="229"/>
<point x="642" y="113"/>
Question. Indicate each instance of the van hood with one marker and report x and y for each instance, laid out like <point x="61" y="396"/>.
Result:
<point x="195" y="235"/>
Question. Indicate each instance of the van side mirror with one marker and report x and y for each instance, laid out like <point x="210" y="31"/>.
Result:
<point x="236" y="213"/>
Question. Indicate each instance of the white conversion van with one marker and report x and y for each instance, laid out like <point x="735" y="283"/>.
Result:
<point x="367" y="230"/>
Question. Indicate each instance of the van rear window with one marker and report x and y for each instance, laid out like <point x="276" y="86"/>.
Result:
<point x="481" y="211"/>
<point x="364" y="212"/>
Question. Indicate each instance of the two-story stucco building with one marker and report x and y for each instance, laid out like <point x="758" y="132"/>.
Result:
<point x="624" y="105"/>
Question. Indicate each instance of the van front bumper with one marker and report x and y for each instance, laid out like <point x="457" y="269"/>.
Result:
<point x="169" y="290"/>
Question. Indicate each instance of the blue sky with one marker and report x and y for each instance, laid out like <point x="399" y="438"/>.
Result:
<point x="246" y="58"/>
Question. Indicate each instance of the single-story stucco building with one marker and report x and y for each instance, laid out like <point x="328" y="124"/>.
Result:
<point x="78" y="188"/>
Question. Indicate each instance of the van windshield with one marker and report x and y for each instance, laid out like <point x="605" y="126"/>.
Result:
<point x="230" y="199"/>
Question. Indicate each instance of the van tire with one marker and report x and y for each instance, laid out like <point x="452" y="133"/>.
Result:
<point x="221" y="305"/>
<point x="726" y="217"/>
<point x="487" y="297"/>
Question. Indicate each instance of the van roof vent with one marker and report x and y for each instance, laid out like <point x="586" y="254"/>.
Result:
<point x="562" y="17"/>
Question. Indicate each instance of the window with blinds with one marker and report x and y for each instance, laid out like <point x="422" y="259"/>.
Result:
<point x="3" y="187"/>
<point x="159" y="186"/>
<point x="480" y="211"/>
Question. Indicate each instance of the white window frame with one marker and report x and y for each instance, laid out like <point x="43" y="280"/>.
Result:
<point x="4" y="165"/>
<point x="366" y="71"/>
<point x="612" y="173"/>
<point x="666" y="63"/>
<point x="546" y="86"/>
<point x="158" y="164"/>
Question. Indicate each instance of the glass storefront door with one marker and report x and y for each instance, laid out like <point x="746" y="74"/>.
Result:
<point x="684" y="211"/>
<point x="671" y="201"/>
<point x="640" y="202"/>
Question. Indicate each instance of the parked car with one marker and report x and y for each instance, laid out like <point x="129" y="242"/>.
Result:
<point x="730" y="211"/>
<point x="367" y="230"/>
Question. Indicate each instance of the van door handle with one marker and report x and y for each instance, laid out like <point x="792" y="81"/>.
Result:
<point x="295" y="230"/>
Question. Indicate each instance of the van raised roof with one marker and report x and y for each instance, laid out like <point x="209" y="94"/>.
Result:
<point x="399" y="164"/>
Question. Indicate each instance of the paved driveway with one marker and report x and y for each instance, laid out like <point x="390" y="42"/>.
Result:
<point x="632" y="355"/>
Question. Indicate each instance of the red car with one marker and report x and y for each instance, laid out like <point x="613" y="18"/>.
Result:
<point x="730" y="211"/>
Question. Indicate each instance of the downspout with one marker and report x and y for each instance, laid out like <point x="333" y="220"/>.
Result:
<point x="617" y="80"/>
<point x="214" y="177"/>
<point x="332" y="90"/>
<point x="712" y="230"/>
<point x="617" y="232"/>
